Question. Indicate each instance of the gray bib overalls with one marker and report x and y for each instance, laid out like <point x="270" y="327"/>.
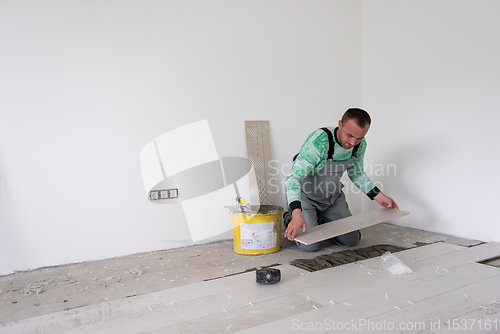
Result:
<point x="323" y="200"/>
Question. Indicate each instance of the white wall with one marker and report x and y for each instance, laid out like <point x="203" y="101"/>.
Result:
<point x="431" y="80"/>
<point x="84" y="85"/>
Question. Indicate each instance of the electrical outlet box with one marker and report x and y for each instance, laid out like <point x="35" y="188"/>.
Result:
<point x="174" y="193"/>
<point x="155" y="195"/>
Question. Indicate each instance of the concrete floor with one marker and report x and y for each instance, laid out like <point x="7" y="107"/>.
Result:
<point x="44" y="291"/>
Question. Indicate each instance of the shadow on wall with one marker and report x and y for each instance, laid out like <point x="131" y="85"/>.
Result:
<point x="408" y="185"/>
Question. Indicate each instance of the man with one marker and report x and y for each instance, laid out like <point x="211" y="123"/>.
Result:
<point x="314" y="190"/>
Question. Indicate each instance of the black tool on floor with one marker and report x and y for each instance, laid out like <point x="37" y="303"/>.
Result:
<point x="268" y="275"/>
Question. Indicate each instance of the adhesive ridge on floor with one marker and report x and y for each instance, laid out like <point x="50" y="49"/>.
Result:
<point x="344" y="257"/>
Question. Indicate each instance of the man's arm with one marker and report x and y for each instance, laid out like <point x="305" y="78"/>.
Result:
<point x="386" y="201"/>
<point x="308" y="160"/>
<point x="296" y="224"/>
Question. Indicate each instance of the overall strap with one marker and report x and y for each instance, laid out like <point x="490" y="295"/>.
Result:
<point x="331" y="143"/>
<point x="355" y="150"/>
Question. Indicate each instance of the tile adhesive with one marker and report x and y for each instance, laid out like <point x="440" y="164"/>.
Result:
<point x="256" y="229"/>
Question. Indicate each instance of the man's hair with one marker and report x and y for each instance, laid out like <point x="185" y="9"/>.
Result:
<point x="359" y="115"/>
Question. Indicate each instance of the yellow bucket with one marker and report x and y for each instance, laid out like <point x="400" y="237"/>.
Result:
<point x="256" y="230"/>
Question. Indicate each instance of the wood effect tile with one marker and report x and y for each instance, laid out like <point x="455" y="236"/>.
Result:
<point x="165" y="316"/>
<point x="243" y="318"/>
<point x="449" y="305"/>
<point x="81" y="317"/>
<point x="349" y="224"/>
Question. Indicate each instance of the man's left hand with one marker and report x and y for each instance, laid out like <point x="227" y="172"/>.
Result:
<point x="386" y="201"/>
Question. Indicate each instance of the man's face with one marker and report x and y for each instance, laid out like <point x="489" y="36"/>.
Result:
<point x="350" y="133"/>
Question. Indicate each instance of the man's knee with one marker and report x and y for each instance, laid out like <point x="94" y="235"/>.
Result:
<point x="308" y="248"/>
<point x="349" y="239"/>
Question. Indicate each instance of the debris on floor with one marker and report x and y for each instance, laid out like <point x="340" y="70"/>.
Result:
<point x="30" y="290"/>
<point x="134" y="271"/>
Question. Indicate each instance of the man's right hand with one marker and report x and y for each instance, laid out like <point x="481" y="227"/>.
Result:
<point x="296" y="223"/>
